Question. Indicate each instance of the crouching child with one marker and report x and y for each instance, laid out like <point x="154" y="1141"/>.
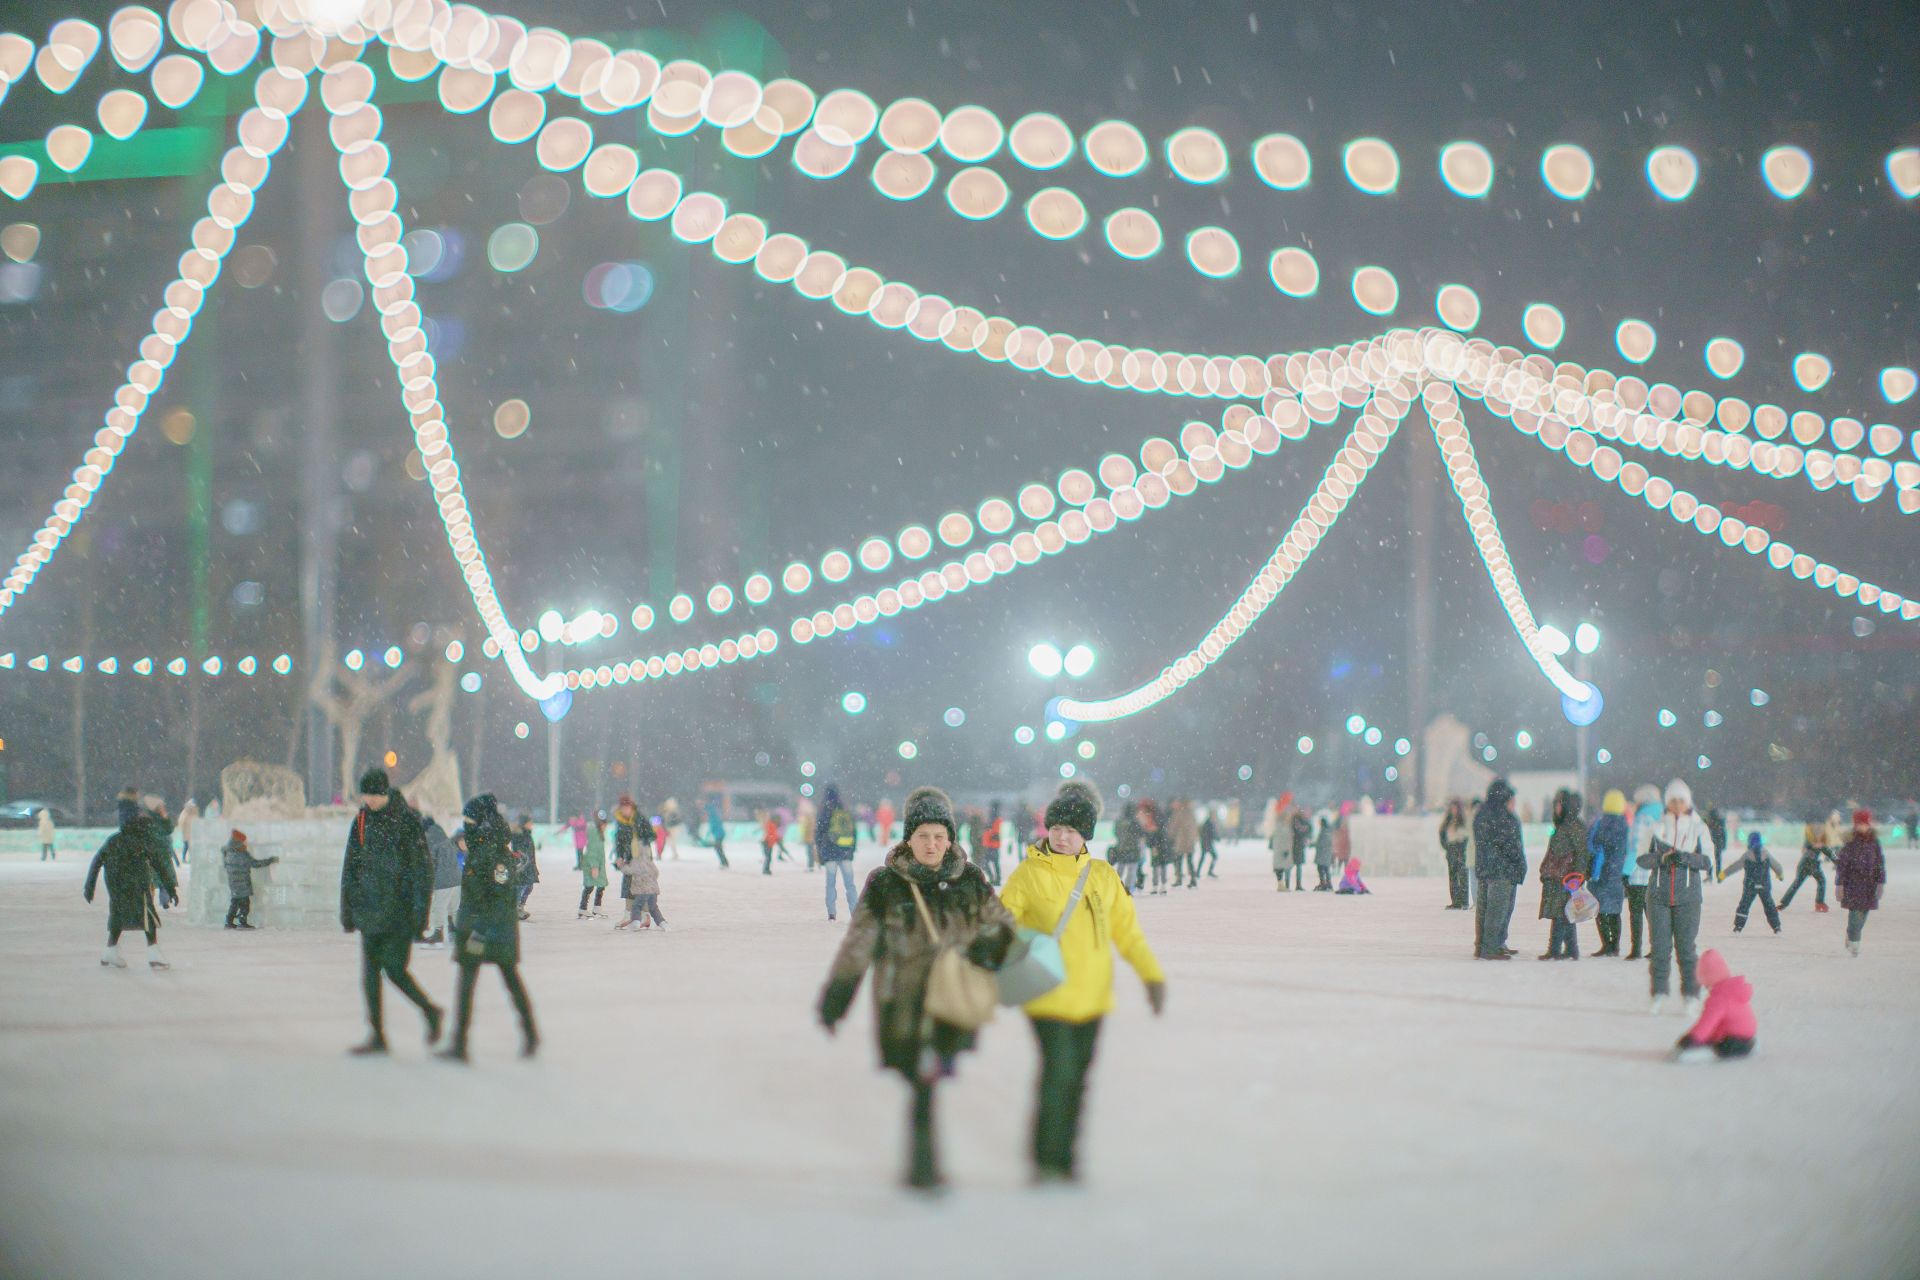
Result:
<point x="1726" y="1027"/>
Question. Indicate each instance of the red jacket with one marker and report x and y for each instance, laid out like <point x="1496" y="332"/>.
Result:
<point x="1729" y="1008"/>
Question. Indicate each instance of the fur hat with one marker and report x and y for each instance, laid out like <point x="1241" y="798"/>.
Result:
<point x="928" y="804"/>
<point x="1075" y="805"/>
<point x="1678" y="790"/>
<point x="374" y="783"/>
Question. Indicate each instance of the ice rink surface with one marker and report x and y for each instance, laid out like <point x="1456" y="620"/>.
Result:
<point x="1337" y="1090"/>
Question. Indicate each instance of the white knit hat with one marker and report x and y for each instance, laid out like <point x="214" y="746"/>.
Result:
<point x="1678" y="790"/>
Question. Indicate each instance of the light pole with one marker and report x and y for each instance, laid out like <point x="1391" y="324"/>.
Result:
<point x="1586" y="639"/>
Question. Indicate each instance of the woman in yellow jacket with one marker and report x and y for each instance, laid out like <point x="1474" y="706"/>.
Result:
<point x="1066" y="1021"/>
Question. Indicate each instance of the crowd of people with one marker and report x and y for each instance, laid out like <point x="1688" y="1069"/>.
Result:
<point x="939" y="926"/>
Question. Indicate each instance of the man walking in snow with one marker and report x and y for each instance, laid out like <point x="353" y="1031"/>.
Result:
<point x="386" y="883"/>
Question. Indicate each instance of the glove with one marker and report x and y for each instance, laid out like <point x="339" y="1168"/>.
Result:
<point x="1157" y="997"/>
<point x="834" y="1003"/>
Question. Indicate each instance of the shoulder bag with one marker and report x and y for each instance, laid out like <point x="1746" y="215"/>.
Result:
<point x="959" y="992"/>
<point x="1034" y="965"/>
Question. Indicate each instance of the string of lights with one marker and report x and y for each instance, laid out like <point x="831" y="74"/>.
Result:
<point x="248" y="665"/>
<point x="261" y="130"/>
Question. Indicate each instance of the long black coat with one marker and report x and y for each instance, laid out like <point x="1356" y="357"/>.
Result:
<point x="1499" y="849"/>
<point x="488" y="925"/>
<point x="888" y="936"/>
<point x="134" y="859"/>
<point x="386" y="881"/>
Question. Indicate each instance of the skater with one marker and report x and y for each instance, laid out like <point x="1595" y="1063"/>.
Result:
<point x="1159" y="843"/>
<point x="805" y="815"/>
<point x="1813" y="847"/>
<point x="1646" y="816"/>
<point x="993" y="840"/>
<point x="1726" y="1026"/>
<point x="1678" y="852"/>
<point x="1124" y="855"/>
<point x="1350" y="881"/>
<point x="1209" y="846"/>
<point x="923" y="899"/>
<point x="46" y="835"/>
<point x="772" y="841"/>
<point x="446" y="883"/>
<point x="240" y="863"/>
<point x="135" y="859"/>
<point x="1859" y="874"/>
<point x="1453" y="844"/>
<point x="1322" y="851"/>
<point x="883" y="824"/>
<point x="526" y="862"/>
<point x="1566" y="856"/>
<point x="1760" y="868"/>
<point x="1280" y="841"/>
<point x="591" y="862"/>
<point x="1717" y="832"/>
<point x="717" y="829"/>
<point x="640" y="874"/>
<point x="488" y="928"/>
<point x="1606" y="873"/>
<point x="183" y="827"/>
<point x="1059" y="879"/>
<point x="836" y="833"/>
<point x="386" y="886"/>
<point x="1183" y="834"/>
<point x="1500" y="865"/>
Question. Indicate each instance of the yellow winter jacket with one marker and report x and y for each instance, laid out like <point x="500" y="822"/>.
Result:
<point x="1037" y="893"/>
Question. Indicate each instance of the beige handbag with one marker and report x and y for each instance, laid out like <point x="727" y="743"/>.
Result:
<point x="959" y="992"/>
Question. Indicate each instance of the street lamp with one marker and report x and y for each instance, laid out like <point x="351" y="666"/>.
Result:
<point x="1045" y="661"/>
<point x="1079" y="661"/>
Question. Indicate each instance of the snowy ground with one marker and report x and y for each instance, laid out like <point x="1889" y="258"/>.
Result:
<point x="1337" y="1089"/>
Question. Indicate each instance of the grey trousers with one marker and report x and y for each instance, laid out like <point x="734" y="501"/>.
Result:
<point x="1496" y="911"/>
<point x="1856" y="922"/>
<point x="1673" y="931"/>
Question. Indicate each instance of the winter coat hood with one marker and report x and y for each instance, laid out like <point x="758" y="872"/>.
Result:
<point x="1713" y="968"/>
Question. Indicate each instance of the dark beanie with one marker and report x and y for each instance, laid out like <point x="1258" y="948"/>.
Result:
<point x="929" y="804"/>
<point x="1075" y="805"/>
<point x="374" y="783"/>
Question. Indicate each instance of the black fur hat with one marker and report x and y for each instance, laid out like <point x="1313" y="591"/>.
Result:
<point x="1075" y="805"/>
<point x="374" y="783"/>
<point x="929" y="804"/>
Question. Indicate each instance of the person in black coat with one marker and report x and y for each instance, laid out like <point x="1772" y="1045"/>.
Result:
<point x="134" y="859"/>
<point x="386" y="884"/>
<point x="487" y="930"/>
<point x="1500" y="864"/>
<point x="526" y="872"/>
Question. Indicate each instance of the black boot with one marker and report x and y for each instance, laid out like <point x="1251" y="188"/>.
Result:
<point x="923" y="1166"/>
<point x="372" y="1045"/>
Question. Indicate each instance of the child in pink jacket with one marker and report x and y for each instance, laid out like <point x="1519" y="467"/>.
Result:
<point x="1350" y="881"/>
<point x="1727" y="1025"/>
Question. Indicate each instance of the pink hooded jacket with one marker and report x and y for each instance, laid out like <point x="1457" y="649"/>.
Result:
<point x="1729" y="1007"/>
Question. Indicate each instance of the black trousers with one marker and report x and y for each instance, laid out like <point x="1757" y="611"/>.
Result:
<point x="1637" y="913"/>
<point x="1813" y="873"/>
<point x="1764" y="892"/>
<point x="590" y="892"/>
<point x="463" y="1002"/>
<point x="1608" y="924"/>
<point x="1066" y="1055"/>
<point x="237" y="909"/>
<point x="386" y="954"/>
<point x="720" y="851"/>
<point x="1457" y="879"/>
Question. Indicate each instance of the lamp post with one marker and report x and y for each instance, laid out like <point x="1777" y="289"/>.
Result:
<point x="1586" y="639"/>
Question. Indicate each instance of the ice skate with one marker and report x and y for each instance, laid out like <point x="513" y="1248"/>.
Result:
<point x="1820" y="907"/>
<point x="1658" y="1005"/>
<point x="453" y="1053"/>
<point x="663" y="926"/>
<point x="584" y="915"/>
<point x="112" y="959"/>
<point x="155" y="960"/>
<point x="434" y="1017"/>
<point x="1853" y="948"/>
<point x="1693" y="1053"/>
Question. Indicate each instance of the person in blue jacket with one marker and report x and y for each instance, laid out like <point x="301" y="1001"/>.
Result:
<point x="717" y="830"/>
<point x="1607" y="843"/>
